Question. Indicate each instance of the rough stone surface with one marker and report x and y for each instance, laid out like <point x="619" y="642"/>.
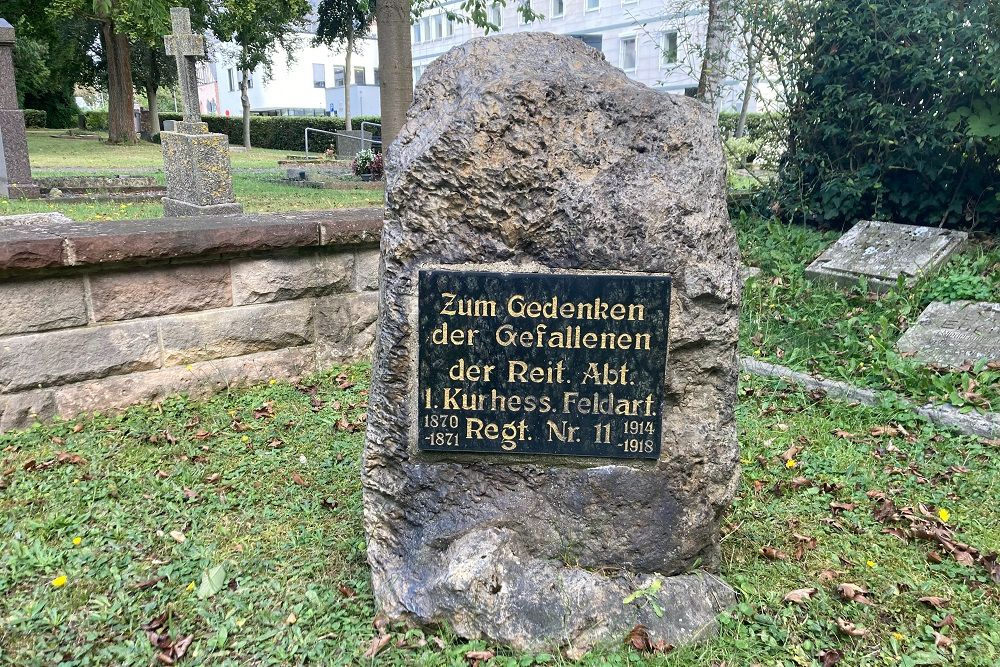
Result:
<point x="25" y="247"/>
<point x="4" y="183"/>
<point x="130" y="240"/>
<point x="8" y="91"/>
<point x="984" y="425"/>
<point x="140" y="274"/>
<point x="40" y="305"/>
<point x="490" y="580"/>
<point x="749" y="272"/>
<point x="106" y="196"/>
<point x="15" y="154"/>
<point x="15" y="168"/>
<point x="198" y="174"/>
<point x="881" y="252"/>
<point x="951" y="334"/>
<point x="185" y="46"/>
<point x="233" y="332"/>
<point x="348" y="147"/>
<point x="554" y="160"/>
<point x="198" y="379"/>
<point x="356" y="227"/>
<point x="282" y="278"/>
<point x="126" y="295"/>
<point x="345" y="327"/>
<point x="40" y="240"/>
<point x="87" y="183"/>
<point x="23" y="219"/>
<point x="25" y="408"/>
<point x="176" y="208"/>
<point x="22" y="409"/>
<point x="366" y="270"/>
<point x="62" y="357"/>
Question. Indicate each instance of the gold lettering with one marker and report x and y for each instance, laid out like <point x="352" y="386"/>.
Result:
<point x="519" y="371"/>
<point x="569" y="338"/>
<point x="443" y="335"/>
<point x="515" y="306"/>
<point x="510" y="433"/>
<point x="499" y="402"/>
<point x="505" y="335"/>
<point x="459" y="399"/>
<point x="474" y="428"/>
<point x="467" y="307"/>
<point x="470" y="373"/>
<point x="563" y="431"/>
<point x="600" y="309"/>
<point x="552" y="308"/>
<point x="449" y="398"/>
<point x="607" y="404"/>
<point x="448" y="308"/>
<point x="606" y="375"/>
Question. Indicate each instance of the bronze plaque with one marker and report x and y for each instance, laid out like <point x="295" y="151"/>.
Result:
<point x="538" y="363"/>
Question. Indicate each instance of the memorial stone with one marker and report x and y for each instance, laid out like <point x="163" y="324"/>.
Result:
<point x="15" y="169"/>
<point x="196" y="162"/>
<point x="551" y="422"/>
<point x="952" y="334"/>
<point x="881" y="252"/>
<point x="145" y="131"/>
<point x="30" y="219"/>
<point x="350" y="143"/>
<point x="749" y="272"/>
<point x="4" y="183"/>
